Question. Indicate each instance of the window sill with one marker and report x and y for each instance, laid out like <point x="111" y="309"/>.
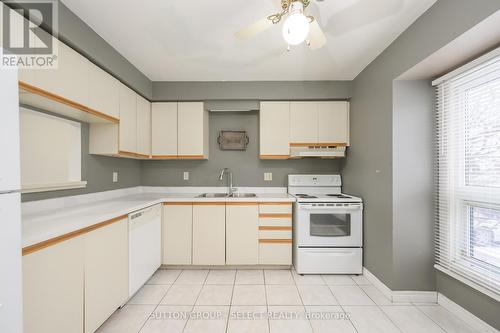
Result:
<point x="34" y="188"/>
<point x="469" y="283"/>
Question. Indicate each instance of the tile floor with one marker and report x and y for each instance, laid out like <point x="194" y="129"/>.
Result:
<point x="271" y="301"/>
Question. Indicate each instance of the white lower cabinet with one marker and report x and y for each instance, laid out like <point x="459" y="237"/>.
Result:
<point x="209" y="233"/>
<point x="272" y="252"/>
<point x="74" y="286"/>
<point x="242" y="233"/>
<point x="275" y="234"/>
<point x="106" y="273"/>
<point x="53" y="288"/>
<point x="177" y="233"/>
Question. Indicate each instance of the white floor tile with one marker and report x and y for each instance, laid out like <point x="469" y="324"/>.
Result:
<point x="350" y="295"/>
<point x="376" y="295"/>
<point x="249" y="295"/>
<point x="360" y="280"/>
<point x="248" y="319"/>
<point x="338" y="280"/>
<point x="164" y="276"/>
<point x="307" y="279"/>
<point x="149" y="294"/>
<point x="328" y="319"/>
<point x="215" y="295"/>
<point x="278" y="276"/>
<point x="206" y="319"/>
<point x="409" y="319"/>
<point x="282" y="295"/>
<point x="288" y="319"/>
<point x="221" y="276"/>
<point x="181" y="295"/>
<point x="192" y="276"/>
<point x="370" y="319"/>
<point x="129" y="319"/>
<point x="249" y="276"/>
<point x="445" y="319"/>
<point x="316" y="295"/>
<point x="167" y="319"/>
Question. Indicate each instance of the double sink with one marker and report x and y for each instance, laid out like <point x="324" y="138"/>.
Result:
<point x="227" y="195"/>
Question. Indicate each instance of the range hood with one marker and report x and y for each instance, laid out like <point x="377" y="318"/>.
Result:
<point x="317" y="151"/>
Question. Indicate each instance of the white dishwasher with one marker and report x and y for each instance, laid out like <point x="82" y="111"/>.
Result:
<point x="144" y="237"/>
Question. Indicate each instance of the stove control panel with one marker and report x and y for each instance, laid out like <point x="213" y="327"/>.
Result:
<point x="314" y="180"/>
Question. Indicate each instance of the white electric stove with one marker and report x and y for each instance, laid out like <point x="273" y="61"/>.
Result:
<point x="327" y="226"/>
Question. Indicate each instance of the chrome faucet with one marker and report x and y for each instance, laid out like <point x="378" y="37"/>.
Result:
<point x="230" y="188"/>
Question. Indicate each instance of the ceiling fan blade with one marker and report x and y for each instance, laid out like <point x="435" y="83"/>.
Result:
<point x="317" y="38"/>
<point x="254" y="29"/>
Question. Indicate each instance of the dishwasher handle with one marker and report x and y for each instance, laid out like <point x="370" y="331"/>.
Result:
<point x="134" y="216"/>
<point x="153" y="211"/>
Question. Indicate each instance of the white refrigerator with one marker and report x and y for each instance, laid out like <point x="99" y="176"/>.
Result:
<point x="10" y="205"/>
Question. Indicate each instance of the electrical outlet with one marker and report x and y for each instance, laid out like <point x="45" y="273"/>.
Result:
<point x="115" y="177"/>
<point x="186" y="175"/>
<point x="268" y="176"/>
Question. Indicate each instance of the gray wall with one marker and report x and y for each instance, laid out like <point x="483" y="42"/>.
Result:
<point x="98" y="172"/>
<point x="248" y="169"/>
<point x="368" y="172"/>
<point x="486" y="307"/>
<point x="413" y="185"/>
<point x="263" y="90"/>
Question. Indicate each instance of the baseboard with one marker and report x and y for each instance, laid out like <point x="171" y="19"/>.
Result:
<point x="473" y="321"/>
<point x="222" y="267"/>
<point x="401" y="296"/>
<point x="377" y="283"/>
<point x="431" y="297"/>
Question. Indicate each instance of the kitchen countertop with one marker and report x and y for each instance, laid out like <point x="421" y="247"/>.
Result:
<point x="47" y="219"/>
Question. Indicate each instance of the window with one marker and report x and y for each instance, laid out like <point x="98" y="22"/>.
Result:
<point x="468" y="174"/>
<point x="50" y="152"/>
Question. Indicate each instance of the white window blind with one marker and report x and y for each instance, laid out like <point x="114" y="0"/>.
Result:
<point x="468" y="175"/>
<point x="50" y="152"/>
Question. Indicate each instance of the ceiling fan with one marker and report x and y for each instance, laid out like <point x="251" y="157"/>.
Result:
<point x="297" y="26"/>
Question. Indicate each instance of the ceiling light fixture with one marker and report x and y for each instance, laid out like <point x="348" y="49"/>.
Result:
<point x="296" y="25"/>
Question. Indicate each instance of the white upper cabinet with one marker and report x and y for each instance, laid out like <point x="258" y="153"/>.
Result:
<point x="274" y="118"/>
<point x="333" y="122"/>
<point x="164" y="130"/>
<point x="319" y="122"/>
<point x="143" y="127"/>
<point x="192" y="130"/>
<point x="104" y="92"/>
<point x="303" y="122"/>
<point x="128" y="121"/>
<point x="71" y="78"/>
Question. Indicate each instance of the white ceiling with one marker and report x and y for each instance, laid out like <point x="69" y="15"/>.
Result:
<point x="180" y="40"/>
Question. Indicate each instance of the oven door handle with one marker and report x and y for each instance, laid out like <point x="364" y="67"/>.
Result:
<point x="334" y="208"/>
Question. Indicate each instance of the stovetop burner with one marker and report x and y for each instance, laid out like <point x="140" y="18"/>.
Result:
<point x="305" y="196"/>
<point x="340" y="196"/>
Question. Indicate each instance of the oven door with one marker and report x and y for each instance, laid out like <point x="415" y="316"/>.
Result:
<point x="330" y="225"/>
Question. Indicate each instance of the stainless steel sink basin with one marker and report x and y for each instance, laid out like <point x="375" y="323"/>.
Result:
<point x="225" y="195"/>
<point x="243" y="195"/>
<point x="213" y="195"/>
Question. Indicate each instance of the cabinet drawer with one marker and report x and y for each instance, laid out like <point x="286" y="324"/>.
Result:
<point x="275" y="253"/>
<point x="275" y="222"/>
<point x="275" y="234"/>
<point x="275" y="208"/>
